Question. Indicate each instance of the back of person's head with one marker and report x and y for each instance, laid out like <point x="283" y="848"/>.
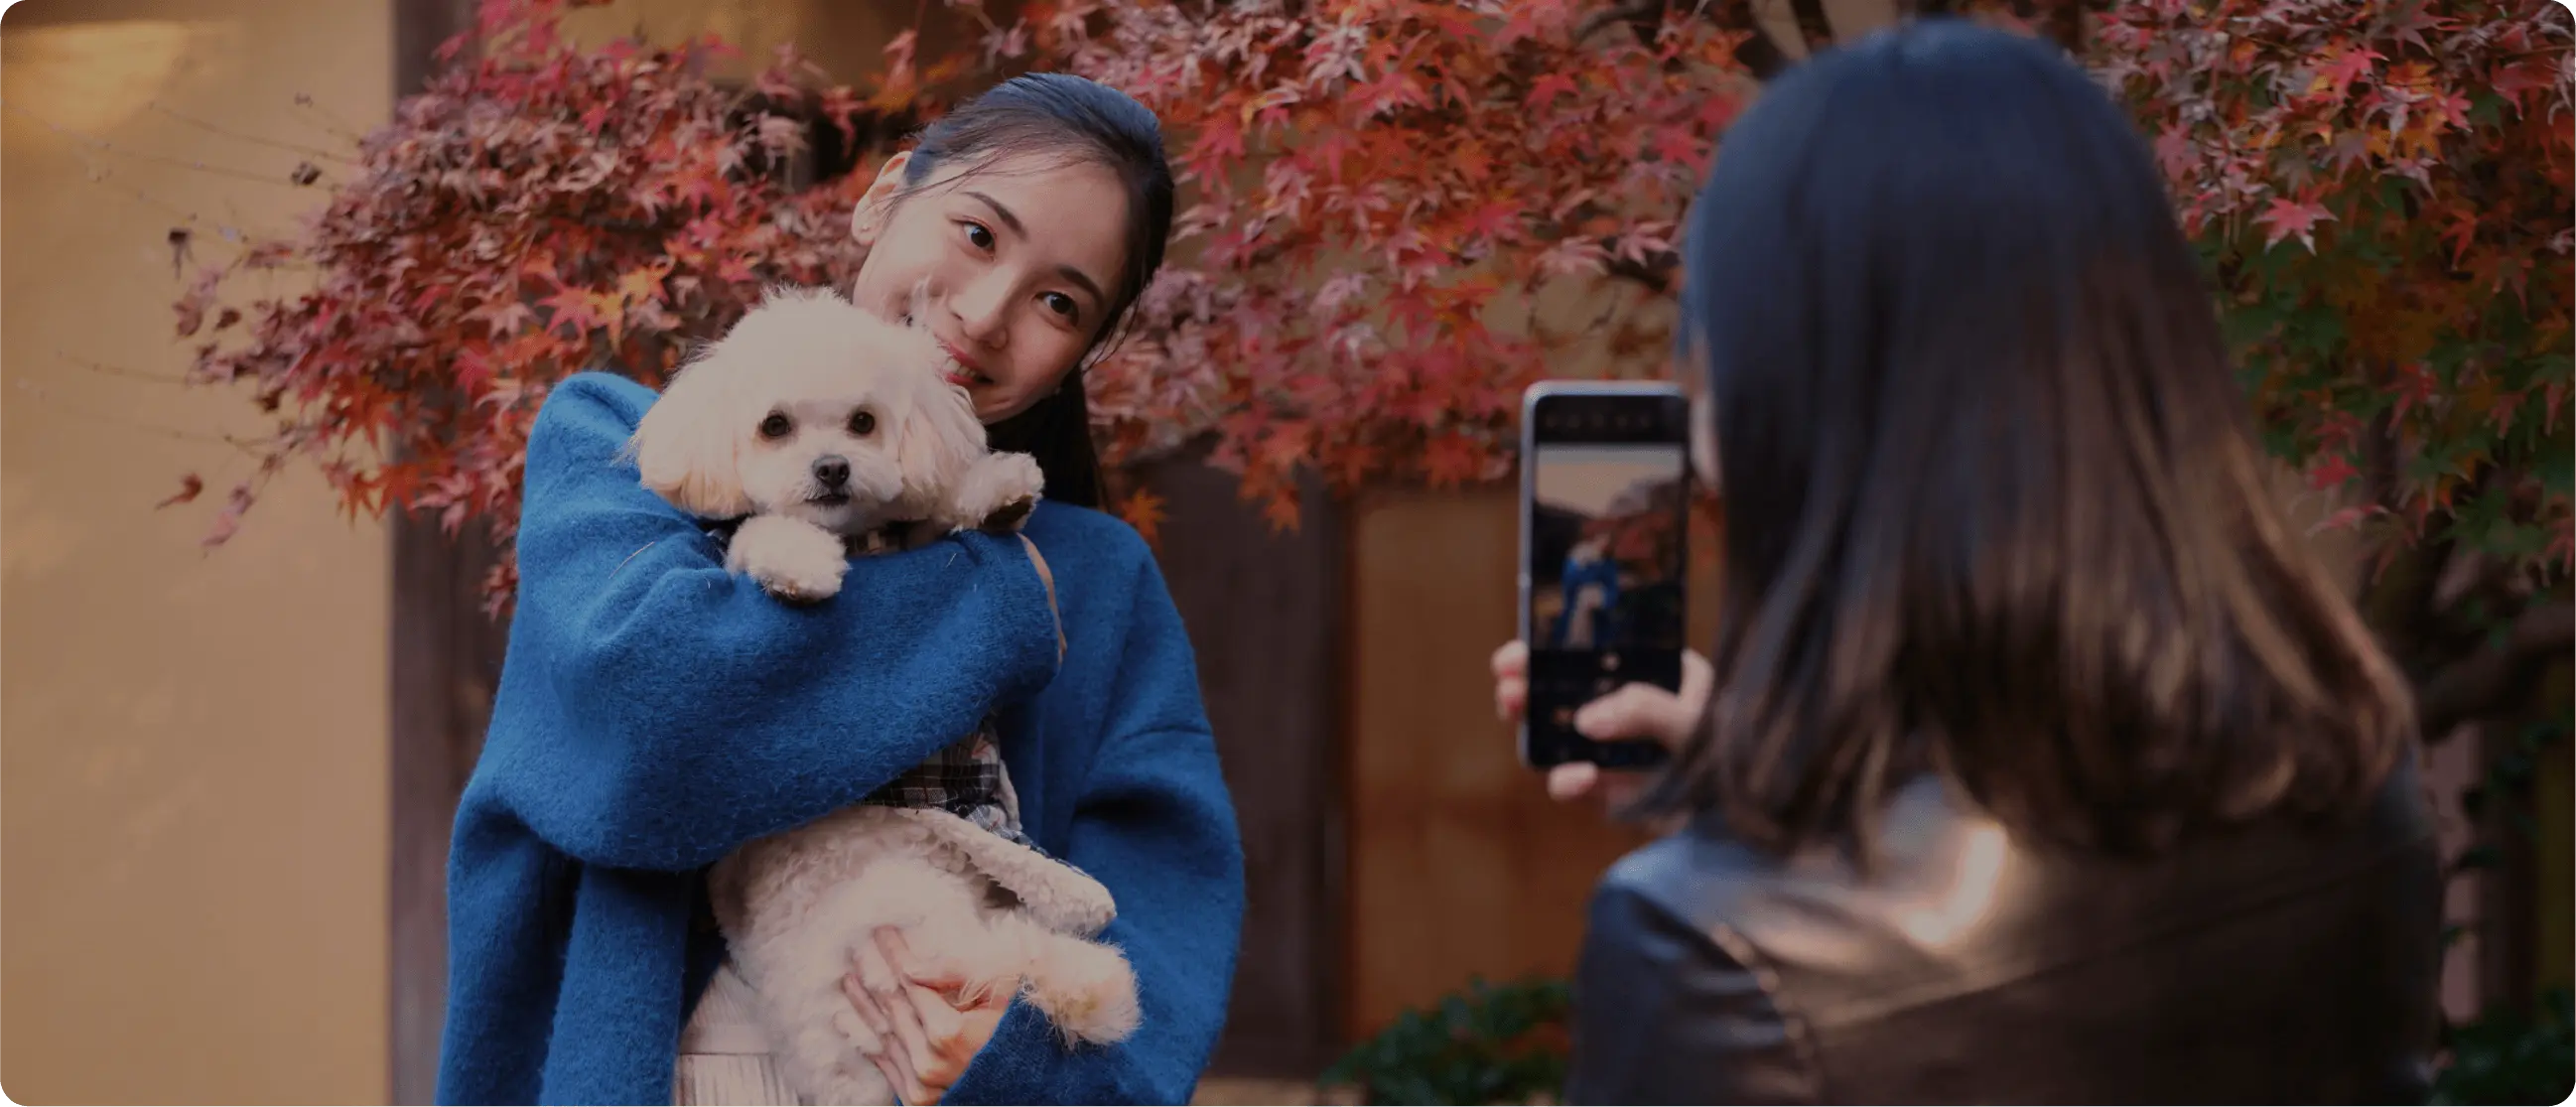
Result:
<point x="1993" y="503"/>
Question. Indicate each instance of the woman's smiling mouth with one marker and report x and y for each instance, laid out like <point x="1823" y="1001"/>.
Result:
<point x="960" y="371"/>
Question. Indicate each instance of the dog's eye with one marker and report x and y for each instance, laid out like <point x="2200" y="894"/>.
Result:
<point x="863" y="423"/>
<point x="776" y="426"/>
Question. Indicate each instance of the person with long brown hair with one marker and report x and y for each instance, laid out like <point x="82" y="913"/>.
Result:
<point x="2036" y="758"/>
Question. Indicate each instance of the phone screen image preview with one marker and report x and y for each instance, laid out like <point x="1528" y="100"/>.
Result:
<point x="1606" y="574"/>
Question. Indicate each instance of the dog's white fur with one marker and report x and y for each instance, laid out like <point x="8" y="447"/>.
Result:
<point x="828" y="369"/>
<point x="796" y="907"/>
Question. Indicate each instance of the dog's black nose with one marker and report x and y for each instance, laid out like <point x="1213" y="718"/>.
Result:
<point x="832" y="470"/>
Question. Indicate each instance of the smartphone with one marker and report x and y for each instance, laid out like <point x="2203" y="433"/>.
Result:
<point x="1605" y="481"/>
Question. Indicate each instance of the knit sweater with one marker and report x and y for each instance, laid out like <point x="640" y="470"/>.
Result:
<point x="655" y="712"/>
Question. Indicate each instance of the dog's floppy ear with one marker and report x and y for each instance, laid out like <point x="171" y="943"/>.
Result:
<point x="939" y="442"/>
<point x="684" y="446"/>
<point x="919" y="309"/>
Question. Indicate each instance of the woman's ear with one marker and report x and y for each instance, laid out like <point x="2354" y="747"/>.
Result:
<point x="869" y="218"/>
<point x="684" y="446"/>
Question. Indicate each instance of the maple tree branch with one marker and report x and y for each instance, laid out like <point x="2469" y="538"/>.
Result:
<point x="340" y="128"/>
<point x="2379" y="456"/>
<point x="45" y="396"/>
<point x="104" y="369"/>
<point x="238" y="136"/>
<point x="1655" y="273"/>
<point x="1640" y="15"/>
<point x="296" y="180"/>
<point x="2442" y="588"/>
<point x="2470" y="689"/>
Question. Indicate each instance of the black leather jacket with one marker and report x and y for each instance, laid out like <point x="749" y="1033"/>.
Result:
<point x="2274" y="967"/>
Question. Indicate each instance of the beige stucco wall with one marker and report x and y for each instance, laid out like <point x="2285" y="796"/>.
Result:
<point x="192" y="744"/>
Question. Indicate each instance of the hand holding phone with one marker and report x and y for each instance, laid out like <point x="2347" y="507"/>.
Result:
<point x="1633" y="712"/>
<point x="1605" y="503"/>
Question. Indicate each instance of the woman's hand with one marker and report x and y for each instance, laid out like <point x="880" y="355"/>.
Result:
<point x="1046" y="576"/>
<point x="930" y="1030"/>
<point x="1633" y="711"/>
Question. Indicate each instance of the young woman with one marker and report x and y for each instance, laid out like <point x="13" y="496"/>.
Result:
<point x="656" y="712"/>
<point x="2037" y="761"/>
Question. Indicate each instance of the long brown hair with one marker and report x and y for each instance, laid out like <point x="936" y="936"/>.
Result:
<point x="1994" y="507"/>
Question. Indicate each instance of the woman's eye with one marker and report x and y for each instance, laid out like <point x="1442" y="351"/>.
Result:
<point x="979" y="235"/>
<point x="863" y="424"/>
<point x="1063" y="305"/>
<point x="776" y="426"/>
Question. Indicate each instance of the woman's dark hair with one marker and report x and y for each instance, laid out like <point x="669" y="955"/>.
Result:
<point x="1993" y="506"/>
<point x="1085" y="121"/>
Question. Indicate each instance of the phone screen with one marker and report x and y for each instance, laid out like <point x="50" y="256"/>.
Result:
<point x="1608" y="517"/>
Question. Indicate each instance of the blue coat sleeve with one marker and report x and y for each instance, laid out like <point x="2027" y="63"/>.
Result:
<point x="657" y="711"/>
<point x="1155" y="825"/>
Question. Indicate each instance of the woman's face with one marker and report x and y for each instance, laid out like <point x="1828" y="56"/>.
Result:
<point x="1019" y="255"/>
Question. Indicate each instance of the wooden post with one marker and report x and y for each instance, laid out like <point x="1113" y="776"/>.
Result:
<point x="446" y="660"/>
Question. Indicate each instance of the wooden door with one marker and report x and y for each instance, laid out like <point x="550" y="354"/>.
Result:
<point x="1262" y="612"/>
<point x="1458" y="863"/>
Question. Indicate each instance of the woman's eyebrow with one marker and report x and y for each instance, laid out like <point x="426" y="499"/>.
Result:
<point x="1069" y="273"/>
<point x="1000" y="212"/>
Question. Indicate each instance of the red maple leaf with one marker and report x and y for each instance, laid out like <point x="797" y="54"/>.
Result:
<point x="2175" y="152"/>
<point x="1679" y="146"/>
<point x="1330" y="149"/>
<point x="574" y="311"/>
<point x="1498" y="222"/>
<point x="1220" y="137"/>
<point x="190" y="486"/>
<point x="1282" y="512"/>
<point x="2349" y="66"/>
<point x="1451" y="459"/>
<point x="1143" y="510"/>
<point x="2330" y="471"/>
<point x="2287" y="218"/>
<point x="506" y="316"/>
<point x="1544" y="91"/>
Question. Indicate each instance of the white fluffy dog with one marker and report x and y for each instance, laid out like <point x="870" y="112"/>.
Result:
<point x="823" y="423"/>
<point x="820" y="424"/>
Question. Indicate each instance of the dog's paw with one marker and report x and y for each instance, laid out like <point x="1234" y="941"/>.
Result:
<point x="1087" y="990"/>
<point x="855" y="1034"/>
<point x="793" y="560"/>
<point x="976" y="962"/>
<point x="999" y="492"/>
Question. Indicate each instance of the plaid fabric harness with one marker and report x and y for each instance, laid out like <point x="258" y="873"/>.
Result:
<point x="966" y="780"/>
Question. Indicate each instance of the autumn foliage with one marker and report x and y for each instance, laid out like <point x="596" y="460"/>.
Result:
<point x="2382" y="191"/>
<point x="534" y="212"/>
<point x="1399" y="212"/>
<point x="1405" y="213"/>
<point x="2386" y="204"/>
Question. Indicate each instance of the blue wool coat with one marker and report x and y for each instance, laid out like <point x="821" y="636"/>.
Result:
<point x="655" y="712"/>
